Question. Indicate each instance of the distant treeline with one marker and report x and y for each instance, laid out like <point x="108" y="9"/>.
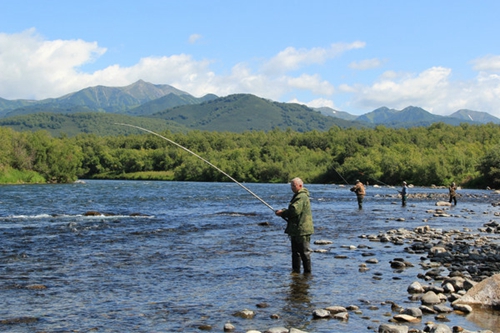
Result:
<point x="439" y="154"/>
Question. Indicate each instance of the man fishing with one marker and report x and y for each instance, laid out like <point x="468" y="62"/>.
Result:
<point x="359" y="189"/>
<point x="404" y="194"/>
<point x="299" y="226"/>
<point x="453" y="193"/>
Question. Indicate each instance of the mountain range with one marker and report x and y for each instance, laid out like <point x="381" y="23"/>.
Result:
<point x="164" y="105"/>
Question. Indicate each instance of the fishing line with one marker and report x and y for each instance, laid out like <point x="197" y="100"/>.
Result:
<point x="204" y="160"/>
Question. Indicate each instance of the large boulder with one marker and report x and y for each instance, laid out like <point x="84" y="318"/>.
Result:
<point x="485" y="294"/>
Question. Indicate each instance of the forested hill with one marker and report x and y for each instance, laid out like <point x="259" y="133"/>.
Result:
<point x="245" y="112"/>
<point x="235" y="113"/>
<point x="101" y="124"/>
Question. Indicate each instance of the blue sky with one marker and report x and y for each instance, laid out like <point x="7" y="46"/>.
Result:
<point x="353" y="56"/>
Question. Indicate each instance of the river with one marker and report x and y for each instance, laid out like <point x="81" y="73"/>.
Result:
<point x="185" y="256"/>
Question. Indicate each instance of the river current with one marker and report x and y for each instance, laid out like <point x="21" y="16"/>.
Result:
<point x="183" y="256"/>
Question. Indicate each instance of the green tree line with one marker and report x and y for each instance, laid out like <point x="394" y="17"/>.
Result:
<point x="439" y="154"/>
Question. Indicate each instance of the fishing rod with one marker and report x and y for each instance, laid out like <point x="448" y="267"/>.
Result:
<point x="340" y="175"/>
<point x="362" y="173"/>
<point x="204" y="160"/>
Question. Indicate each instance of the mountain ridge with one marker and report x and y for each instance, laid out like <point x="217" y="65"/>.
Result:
<point x="237" y="112"/>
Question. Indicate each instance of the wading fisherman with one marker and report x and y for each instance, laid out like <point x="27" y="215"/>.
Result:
<point x="299" y="226"/>
<point x="359" y="189"/>
<point x="453" y="193"/>
<point x="404" y="194"/>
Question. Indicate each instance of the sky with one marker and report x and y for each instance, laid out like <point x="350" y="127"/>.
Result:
<point x="353" y="56"/>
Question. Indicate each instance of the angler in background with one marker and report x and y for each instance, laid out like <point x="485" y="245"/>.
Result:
<point x="404" y="194"/>
<point x="299" y="226"/>
<point x="359" y="189"/>
<point x="453" y="193"/>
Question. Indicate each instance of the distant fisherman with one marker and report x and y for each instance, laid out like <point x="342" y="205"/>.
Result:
<point x="299" y="226"/>
<point x="359" y="189"/>
<point x="453" y="193"/>
<point x="404" y="194"/>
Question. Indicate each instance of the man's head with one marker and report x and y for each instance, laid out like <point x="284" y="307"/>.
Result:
<point x="296" y="184"/>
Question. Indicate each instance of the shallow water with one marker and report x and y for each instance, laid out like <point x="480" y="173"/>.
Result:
<point x="198" y="253"/>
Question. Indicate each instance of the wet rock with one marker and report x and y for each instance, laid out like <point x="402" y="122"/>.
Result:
<point x="228" y="327"/>
<point x="343" y="316"/>
<point x="322" y="242"/>
<point x="387" y="328"/>
<point x="295" y="330"/>
<point x="414" y="312"/>
<point x="437" y="328"/>
<point x="486" y="293"/>
<point x="205" y="327"/>
<point x="36" y="287"/>
<point x="406" y="318"/>
<point x="336" y="309"/>
<point x="92" y="213"/>
<point x="430" y="298"/>
<point x="441" y="308"/>
<point x="443" y="203"/>
<point x="428" y="310"/>
<point x="277" y="330"/>
<point x="247" y="314"/>
<point x="415" y="288"/>
<point x="19" y="320"/>
<point x="321" y="313"/>
<point x="462" y="308"/>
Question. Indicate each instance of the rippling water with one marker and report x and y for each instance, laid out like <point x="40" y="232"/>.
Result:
<point x="172" y="256"/>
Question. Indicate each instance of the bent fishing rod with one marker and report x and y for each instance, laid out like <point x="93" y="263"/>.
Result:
<point x="339" y="175"/>
<point x="204" y="160"/>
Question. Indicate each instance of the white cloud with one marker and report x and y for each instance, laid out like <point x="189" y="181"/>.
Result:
<point x="433" y="90"/>
<point x="292" y="59"/>
<point x="321" y="102"/>
<point x="30" y="63"/>
<point x="366" y="64"/>
<point x="194" y="38"/>
<point x="489" y="63"/>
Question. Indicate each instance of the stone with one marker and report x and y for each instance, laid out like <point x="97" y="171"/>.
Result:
<point x="321" y="313"/>
<point x="247" y="314"/>
<point x="486" y="293"/>
<point x="322" y="242"/>
<point x="336" y="309"/>
<point x="415" y="288"/>
<point x="344" y="316"/>
<point x="430" y="298"/>
<point x="462" y="308"/>
<point x="228" y="327"/>
<point x="406" y="318"/>
<point x="387" y="328"/>
<point x="295" y="330"/>
<point x="439" y="328"/>
<point x="277" y="330"/>
<point x="414" y="312"/>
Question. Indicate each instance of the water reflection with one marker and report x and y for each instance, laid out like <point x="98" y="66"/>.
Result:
<point x="298" y="305"/>
<point x="485" y="318"/>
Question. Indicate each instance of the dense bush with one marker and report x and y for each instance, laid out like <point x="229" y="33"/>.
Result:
<point x="438" y="154"/>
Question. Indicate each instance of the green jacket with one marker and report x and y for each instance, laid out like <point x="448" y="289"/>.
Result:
<point x="299" y="215"/>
